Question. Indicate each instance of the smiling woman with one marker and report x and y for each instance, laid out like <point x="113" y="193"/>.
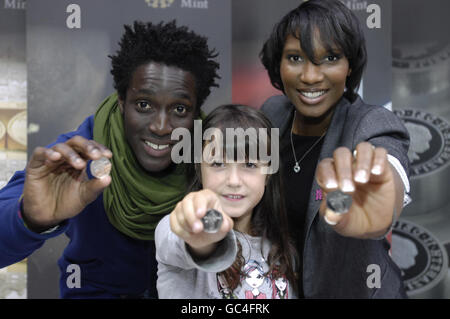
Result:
<point x="316" y="56"/>
<point x="314" y="87"/>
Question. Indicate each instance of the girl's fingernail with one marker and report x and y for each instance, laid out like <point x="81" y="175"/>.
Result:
<point x="200" y="212"/>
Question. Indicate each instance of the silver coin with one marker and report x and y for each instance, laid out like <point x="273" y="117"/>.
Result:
<point x="339" y="202"/>
<point x="101" y="167"/>
<point x="212" y="221"/>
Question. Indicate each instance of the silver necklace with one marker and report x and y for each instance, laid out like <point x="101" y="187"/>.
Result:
<point x="297" y="163"/>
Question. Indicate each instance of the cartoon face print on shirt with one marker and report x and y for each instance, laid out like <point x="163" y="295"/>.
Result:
<point x="254" y="277"/>
<point x="279" y="285"/>
<point x="256" y="283"/>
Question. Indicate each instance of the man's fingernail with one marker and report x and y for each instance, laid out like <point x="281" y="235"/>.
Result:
<point x="107" y="153"/>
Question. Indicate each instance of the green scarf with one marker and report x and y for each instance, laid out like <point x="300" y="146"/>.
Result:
<point x="135" y="201"/>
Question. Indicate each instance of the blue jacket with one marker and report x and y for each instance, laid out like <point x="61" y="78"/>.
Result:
<point x="112" y="265"/>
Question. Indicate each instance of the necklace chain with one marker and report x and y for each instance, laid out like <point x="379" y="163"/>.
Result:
<point x="297" y="163"/>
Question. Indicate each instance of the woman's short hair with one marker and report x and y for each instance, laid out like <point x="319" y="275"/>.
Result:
<point x="338" y="28"/>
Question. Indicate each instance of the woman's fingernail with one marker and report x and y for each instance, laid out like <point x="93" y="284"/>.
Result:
<point x="361" y="176"/>
<point x="347" y="186"/>
<point x="329" y="222"/>
<point x="376" y="170"/>
<point x="331" y="184"/>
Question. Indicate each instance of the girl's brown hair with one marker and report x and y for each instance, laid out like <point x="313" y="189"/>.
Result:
<point x="269" y="218"/>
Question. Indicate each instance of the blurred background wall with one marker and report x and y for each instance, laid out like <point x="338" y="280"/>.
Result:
<point x="421" y="97"/>
<point x="13" y="123"/>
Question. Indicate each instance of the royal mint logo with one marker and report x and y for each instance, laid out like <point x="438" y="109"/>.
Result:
<point x="420" y="56"/>
<point x="191" y="4"/>
<point x="429" y="141"/>
<point x="14" y="4"/>
<point x="355" y="5"/>
<point x="194" y="4"/>
<point x="420" y="257"/>
<point x="159" y="3"/>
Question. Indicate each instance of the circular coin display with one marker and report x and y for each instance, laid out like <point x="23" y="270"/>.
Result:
<point x="100" y="168"/>
<point x="212" y="221"/>
<point x="2" y="135"/>
<point x="429" y="156"/>
<point x="422" y="259"/>
<point x="17" y="132"/>
<point x="339" y="202"/>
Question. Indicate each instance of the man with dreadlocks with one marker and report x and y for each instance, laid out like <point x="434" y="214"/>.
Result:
<point x="162" y="74"/>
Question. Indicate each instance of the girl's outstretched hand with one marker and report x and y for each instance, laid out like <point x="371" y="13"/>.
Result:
<point x="186" y="222"/>
<point x="375" y="187"/>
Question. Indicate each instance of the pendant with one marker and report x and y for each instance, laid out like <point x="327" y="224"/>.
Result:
<point x="296" y="167"/>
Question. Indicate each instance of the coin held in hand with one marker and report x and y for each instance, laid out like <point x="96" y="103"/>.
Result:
<point x="212" y="221"/>
<point x="100" y="168"/>
<point x="339" y="202"/>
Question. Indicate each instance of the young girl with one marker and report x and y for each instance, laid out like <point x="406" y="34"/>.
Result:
<point x="252" y="247"/>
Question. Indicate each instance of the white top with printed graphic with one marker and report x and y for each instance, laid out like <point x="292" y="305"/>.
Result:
<point x="181" y="276"/>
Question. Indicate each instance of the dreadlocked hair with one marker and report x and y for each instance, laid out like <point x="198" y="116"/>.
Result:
<point x="167" y="44"/>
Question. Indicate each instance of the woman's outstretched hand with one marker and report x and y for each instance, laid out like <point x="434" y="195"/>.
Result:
<point x="374" y="185"/>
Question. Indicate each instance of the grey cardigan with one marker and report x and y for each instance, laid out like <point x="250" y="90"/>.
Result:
<point x="182" y="276"/>
<point x="335" y="266"/>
